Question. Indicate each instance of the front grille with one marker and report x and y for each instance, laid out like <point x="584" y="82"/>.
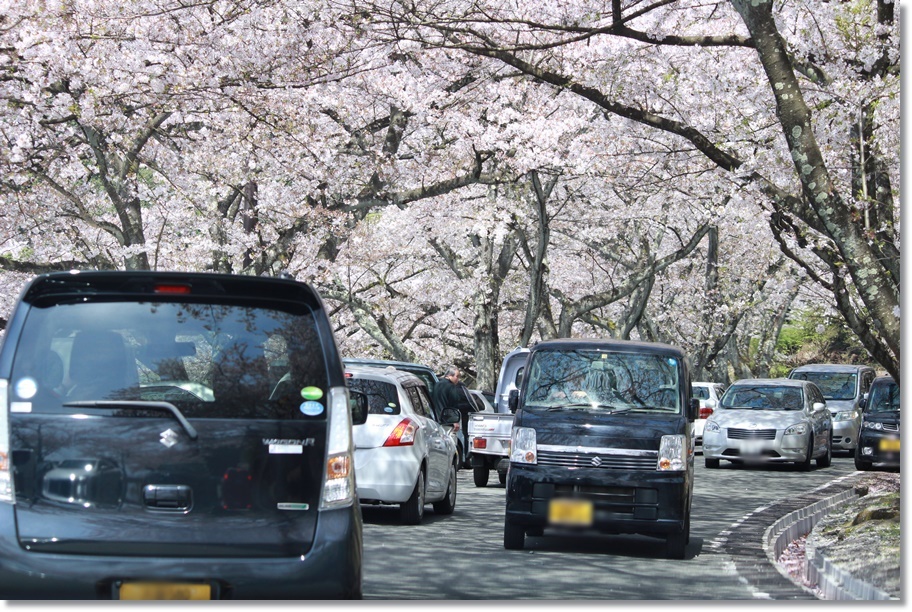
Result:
<point x="751" y="434"/>
<point x="605" y="460"/>
<point x="891" y="426"/>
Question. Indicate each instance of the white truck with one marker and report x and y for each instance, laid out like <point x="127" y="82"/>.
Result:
<point x="490" y="430"/>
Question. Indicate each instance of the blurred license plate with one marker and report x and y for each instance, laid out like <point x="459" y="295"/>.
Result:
<point x="889" y="445"/>
<point x="164" y="590"/>
<point x="576" y="512"/>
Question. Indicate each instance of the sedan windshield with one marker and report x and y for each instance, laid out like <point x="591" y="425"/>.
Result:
<point x="763" y="398"/>
<point x="603" y="380"/>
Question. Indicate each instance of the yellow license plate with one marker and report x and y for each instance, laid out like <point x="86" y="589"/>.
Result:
<point x="164" y="590"/>
<point x="570" y="512"/>
<point x="889" y="445"/>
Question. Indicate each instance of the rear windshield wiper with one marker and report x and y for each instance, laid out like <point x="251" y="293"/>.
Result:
<point x="138" y="405"/>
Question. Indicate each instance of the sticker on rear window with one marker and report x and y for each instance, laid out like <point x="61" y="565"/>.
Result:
<point x="311" y="393"/>
<point x="312" y="408"/>
<point x="26" y="388"/>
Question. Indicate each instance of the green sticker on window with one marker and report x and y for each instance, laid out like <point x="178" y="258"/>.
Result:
<point x="311" y="393"/>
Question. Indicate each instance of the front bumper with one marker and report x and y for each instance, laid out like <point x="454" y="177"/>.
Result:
<point x="845" y="435"/>
<point x="872" y="447"/>
<point x="782" y="449"/>
<point x="624" y="501"/>
<point x="331" y="569"/>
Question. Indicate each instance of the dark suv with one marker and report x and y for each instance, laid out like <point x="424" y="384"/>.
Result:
<point x="175" y="436"/>
<point x="878" y="443"/>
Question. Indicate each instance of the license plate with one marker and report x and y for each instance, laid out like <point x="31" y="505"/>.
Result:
<point x="570" y="512"/>
<point x="164" y="590"/>
<point x="889" y="445"/>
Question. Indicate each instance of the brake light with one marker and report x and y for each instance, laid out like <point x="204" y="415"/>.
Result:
<point x="6" y="478"/>
<point x="480" y="443"/>
<point x="172" y="288"/>
<point x="705" y="412"/>
<point x="339" y="477"/>
<point x="403" y="434"/>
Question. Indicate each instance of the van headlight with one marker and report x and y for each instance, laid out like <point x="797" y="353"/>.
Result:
<point x="523" y="447"/>
<point x="672" y="454"/>
<point x="845" y="416"/>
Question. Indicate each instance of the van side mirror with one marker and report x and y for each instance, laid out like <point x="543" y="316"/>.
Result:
<point x="513" y="401"/>
<point x="693" y="409"/>
<point x="818" y="406"/>
<point x="357" y="404"/>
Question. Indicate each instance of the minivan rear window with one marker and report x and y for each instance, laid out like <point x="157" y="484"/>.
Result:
<point x="212" y="360"/>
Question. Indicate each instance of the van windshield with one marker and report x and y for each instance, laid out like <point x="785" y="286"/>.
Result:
<point x="833" y="385"/>
<point x="884" y="397"/>
<point x="209" y="360"/>
<point x="603" y="380"/>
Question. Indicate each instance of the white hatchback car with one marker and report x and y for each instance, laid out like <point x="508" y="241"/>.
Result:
<point x="402" y="454"/>
<point x="709" y="394"/>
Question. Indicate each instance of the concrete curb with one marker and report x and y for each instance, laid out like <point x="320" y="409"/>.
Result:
<point x="832" y="582"/>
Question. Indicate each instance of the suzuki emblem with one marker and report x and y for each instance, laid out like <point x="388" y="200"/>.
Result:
<point x="168" y="438"/>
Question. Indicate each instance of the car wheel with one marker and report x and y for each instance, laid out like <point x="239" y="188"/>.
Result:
<point x="861" y="464"/>
<point x="827" y="459"/>
<point x="711" y="463"/>
<point x="480" y="473"/>
<point x="514" y="535"/>
<point x="448" y="503"/>
<point x="502" y="477"/>
<point x="412" y="511"/>
<point x="805" y="465"/>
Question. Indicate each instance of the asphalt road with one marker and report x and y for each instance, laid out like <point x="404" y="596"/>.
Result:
<point x="461" y="556"/>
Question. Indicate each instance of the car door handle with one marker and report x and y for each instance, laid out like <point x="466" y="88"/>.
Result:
<point x="174" y="498"/>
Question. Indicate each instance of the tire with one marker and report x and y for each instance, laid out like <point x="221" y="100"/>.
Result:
<point x="448" y="503"/>
<point x="502" y="477"/>
<point x="514" y="535"/>
<point x="711" y="463"/>
<point x="676" y="543"/>
<point x="480" y="473"/>
<point x="861" y="464"/>
<point x="827" y="459"/>
<point x="805" y="466"/>
<point x="412" y="511"/>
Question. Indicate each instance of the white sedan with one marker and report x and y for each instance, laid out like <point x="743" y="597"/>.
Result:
<point x="709" y="394"/>
<point x="402" y="454"/>
<point x="764" y="420"/>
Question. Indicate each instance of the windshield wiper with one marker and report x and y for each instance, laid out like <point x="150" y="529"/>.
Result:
<point x="590" y="406"/>
<point x="138" y="405"/>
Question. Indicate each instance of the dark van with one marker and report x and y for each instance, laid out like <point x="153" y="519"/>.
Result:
<point x="602" y="442"/>
<point x="175" y="436"/>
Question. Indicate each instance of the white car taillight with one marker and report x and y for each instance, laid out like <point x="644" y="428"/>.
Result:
<point x="403" y="434"/>
<point x="339" y="479"/>
<point x="523" y="446"/>
<point x="672" y="454"/>
<point x="6" y="477"/>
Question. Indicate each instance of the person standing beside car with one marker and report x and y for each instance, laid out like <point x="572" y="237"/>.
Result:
<point x="449" y="393"/>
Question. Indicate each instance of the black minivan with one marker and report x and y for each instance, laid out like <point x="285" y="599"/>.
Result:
<point x="175" y="436"/>
<point x="602" y="442"/>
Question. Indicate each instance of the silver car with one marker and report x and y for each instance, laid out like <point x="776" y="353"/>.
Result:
<point x="844" y="387"/>
<point x="770" y="420"/>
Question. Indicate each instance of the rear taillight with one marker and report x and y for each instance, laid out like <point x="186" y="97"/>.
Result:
<point x="705" y="412"/>
<point x="6" y="479"/>
<point x="403" y="435"/>
<point x="339" y="479"/>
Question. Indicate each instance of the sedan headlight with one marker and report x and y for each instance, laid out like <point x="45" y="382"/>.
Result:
<point x="711" y="426"/>
<point x="845" y="416"/>
<point x="875" y="425"/>
<point x="799" y="429"/>
<point x="523" y="446"/>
